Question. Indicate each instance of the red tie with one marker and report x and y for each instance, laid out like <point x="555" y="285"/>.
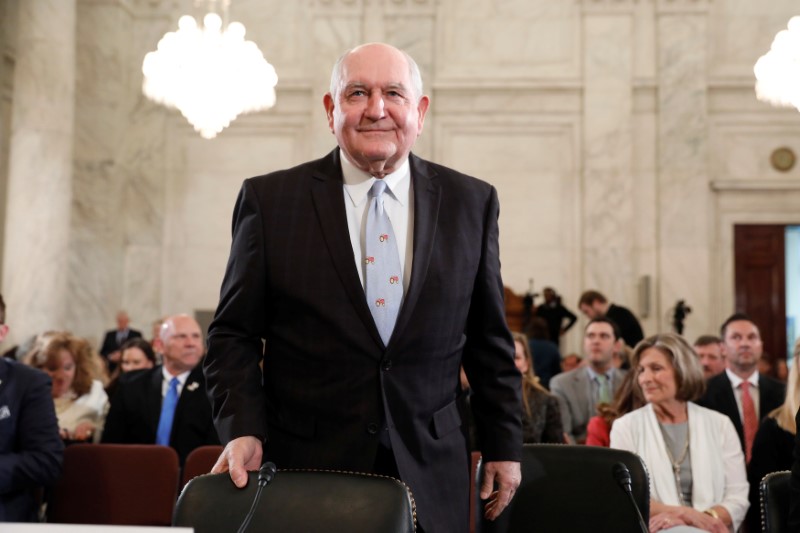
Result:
<point x="750" y="419"/>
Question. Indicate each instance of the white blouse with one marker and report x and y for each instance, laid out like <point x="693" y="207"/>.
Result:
<point x="718" y="469"/>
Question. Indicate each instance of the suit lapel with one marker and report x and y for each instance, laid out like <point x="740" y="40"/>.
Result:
<point x="153" y="400"/>
<point x="730" y="407"/>
<point x="426" y="214"/>
<point x="327" y="195"/>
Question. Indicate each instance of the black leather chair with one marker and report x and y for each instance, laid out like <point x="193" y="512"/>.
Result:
<point x="571" y="489"/>
<point x="774" y="490"/>
<point x="302" y="501"/>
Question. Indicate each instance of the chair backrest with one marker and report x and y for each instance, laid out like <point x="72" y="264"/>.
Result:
<point x="118" y="484"/>
<point x="774" y="490"/>
<point x="200" y="461"/>
<point x="301" y="501"/>
<point x="571" y="488"/>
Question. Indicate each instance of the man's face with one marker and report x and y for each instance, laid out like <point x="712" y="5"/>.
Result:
<point x="599" y="343"/>
<point x="122" y="321"/>
<point x="592" y="310"/>
<point x="742" y="345"/>
<point x="711" y="358"/>
<point x="376" y="114"/>
<point x="183" y="346"/>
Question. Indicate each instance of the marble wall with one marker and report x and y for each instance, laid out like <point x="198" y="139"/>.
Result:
<point x="623" y="136"/>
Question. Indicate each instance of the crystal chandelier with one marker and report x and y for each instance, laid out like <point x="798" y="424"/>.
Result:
<point x="209" y="74"/>
<point x="778" y="71"/>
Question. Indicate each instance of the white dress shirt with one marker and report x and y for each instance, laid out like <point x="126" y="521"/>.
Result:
<point x="398" y="205"/>
<point x="167" y="377"/>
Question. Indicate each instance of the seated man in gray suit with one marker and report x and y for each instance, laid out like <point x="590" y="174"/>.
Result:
<point x="579" y="391"/>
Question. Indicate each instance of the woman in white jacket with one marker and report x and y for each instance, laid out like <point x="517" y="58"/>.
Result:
<point x="696" y="465"/>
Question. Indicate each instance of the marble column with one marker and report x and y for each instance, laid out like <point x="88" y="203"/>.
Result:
<point x="683" y="193"/>
<point x="608" y="181"/>
<point x="37" y="235"/>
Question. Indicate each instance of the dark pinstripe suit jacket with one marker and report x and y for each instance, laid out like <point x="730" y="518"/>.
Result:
<point x="329" y="383"/>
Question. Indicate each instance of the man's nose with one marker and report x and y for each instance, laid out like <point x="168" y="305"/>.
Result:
<point x="375" y="106"/>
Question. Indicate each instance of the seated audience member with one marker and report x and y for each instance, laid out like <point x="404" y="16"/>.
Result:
<point x="570" y="362"/>
<point x="774" y="442"/>
<point x="546" y="357"/>
<point x="594" y="304"/>
<point x="166" y="404"/>
<point x="115" y="338"/>
<point x="76" y="370"/>
<point x="626" y="399"/>
<point x="30" y="448"/>
<point x="712" y="356"/>
<point x="693" y="454"/>
<point x="137" y="354"/>
<point x="541" y="420"/>
<point x="579" y="391"/>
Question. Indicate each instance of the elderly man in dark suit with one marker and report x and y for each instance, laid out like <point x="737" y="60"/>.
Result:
<point x="115" y="338"/>
<point x="166" y="404"/>
<point x="361" y="368"/>
<point x="31" y="450"/>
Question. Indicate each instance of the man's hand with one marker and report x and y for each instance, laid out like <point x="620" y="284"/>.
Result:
<point x="239" y="456"/>
<point x="507" y="476"/>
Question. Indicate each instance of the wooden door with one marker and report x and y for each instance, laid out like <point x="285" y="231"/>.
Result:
<point x="760" y="282"/>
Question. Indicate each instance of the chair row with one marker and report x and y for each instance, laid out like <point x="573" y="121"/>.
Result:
<point x="575" y="486"/>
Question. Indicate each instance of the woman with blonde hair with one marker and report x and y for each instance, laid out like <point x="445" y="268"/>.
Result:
<point x="541" y="418"/>
<point x="76" y="371"/>
<point x="693" y="454"/>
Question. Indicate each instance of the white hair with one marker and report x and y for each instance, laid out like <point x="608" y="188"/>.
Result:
<point x="413" y="73"/>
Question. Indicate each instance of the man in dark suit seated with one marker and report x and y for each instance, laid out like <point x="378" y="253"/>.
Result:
<point x="31" y="450"/>
<point x="115" y="338"/>
<point x="742" y="393"/>
<point x="371" y="275"/>
<point x="166" y="404"/>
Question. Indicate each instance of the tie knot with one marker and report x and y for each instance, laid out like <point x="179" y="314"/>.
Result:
<point x="173" y="383"/>
<point x="378" y="188"/>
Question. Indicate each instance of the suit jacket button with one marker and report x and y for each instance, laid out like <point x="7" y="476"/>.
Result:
<point x="387" y="364"/>
<point x="372" y="428"/>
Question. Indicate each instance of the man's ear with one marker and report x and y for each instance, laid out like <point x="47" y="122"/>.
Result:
<point x="158" y="345"/>
<point x="3" y="332"/>
<point x="329" y="104"/>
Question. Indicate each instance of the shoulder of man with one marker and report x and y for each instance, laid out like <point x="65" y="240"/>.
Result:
<point x="424" y="168"/>
<point x="137" y="377"/>
<point x="324" y="166"/>
<point x="20" y="372"/>
<point x="563" y="378"/>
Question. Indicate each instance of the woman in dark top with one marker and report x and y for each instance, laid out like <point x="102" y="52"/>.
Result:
<point x="774" y="442"/>
<point x="541" y="419"/>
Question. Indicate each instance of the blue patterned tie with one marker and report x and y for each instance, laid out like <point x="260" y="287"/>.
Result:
<point x="167" y="413"/>
<point x="383" y="277"/>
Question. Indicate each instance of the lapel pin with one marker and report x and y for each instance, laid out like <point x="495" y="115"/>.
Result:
<point x="191" y="387"/>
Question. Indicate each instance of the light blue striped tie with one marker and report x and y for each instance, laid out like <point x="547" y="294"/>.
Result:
<point x="167" y="413"/>
<point x="383" y="276"/>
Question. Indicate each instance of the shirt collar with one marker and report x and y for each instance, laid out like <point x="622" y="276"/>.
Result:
<point x="736" y="380"/>
<point x="595" y="375"/>
<point x="181" y="377"/>
<point x="357" y="183"/>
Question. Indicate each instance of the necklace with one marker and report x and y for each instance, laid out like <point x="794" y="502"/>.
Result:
<point x="676" y="463"/>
